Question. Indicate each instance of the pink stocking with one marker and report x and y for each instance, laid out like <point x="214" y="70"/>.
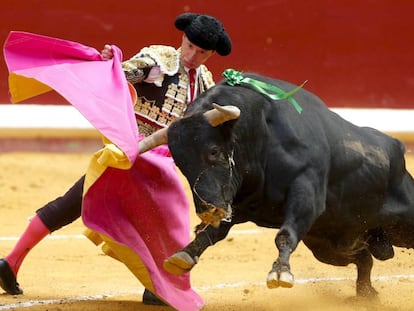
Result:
<point x="34" y="233"/>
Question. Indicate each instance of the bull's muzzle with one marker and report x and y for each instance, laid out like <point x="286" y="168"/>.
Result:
<point x="214" y="216"/>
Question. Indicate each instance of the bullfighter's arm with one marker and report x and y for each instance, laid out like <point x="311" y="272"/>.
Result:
<point x="151" y="63"/>
<point x="137" y="68"/>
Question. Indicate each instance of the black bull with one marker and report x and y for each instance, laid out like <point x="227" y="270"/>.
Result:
<point x="341" y="189"/>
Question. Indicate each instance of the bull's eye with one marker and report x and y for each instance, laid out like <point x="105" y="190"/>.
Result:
<point x="214" y="154"/>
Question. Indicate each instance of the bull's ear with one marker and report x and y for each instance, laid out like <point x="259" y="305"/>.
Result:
<point x="221" y="114"/>
<point x="155" y="139"/>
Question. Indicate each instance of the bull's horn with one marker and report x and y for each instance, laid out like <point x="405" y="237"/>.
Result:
<point x="221" y="114"/>
<point x="155" y="139"/>
<point x="215" y="117"/>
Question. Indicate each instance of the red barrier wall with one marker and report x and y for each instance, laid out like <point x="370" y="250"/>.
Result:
<point x="353" y="53"/>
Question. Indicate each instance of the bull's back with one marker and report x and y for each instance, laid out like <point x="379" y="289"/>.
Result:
<point x="367" y="173"/>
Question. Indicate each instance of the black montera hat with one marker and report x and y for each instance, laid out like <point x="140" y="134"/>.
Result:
<point x="205" y="31"/>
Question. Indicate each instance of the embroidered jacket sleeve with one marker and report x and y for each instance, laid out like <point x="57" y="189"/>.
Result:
<point x="138" y="67"/>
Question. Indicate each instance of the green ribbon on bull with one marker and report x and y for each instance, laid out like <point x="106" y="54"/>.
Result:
<point x="235" y="77"/>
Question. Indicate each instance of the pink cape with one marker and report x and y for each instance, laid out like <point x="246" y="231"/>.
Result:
<point x="96" y="88"/>
<point x="135" y="203"/>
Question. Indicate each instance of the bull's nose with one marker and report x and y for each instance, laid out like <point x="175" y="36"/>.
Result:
<point x="217" y="212"/>
<point x="213" y="215"/>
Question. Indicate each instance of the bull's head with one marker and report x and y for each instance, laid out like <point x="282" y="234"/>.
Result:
<point x="201" y="170"/>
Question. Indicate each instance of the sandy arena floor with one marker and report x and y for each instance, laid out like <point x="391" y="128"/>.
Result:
<point x="67" y="272"/>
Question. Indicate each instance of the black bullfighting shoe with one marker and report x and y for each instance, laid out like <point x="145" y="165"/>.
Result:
<point x="7" y="279"/>
<point x="149" y="298"/>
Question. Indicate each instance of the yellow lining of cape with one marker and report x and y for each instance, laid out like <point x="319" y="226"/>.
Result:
<point x="111" y="156"/>
<point x="22" y="88"/>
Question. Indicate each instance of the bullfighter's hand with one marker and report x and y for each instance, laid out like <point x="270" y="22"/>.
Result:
<point x="107" y="53"/>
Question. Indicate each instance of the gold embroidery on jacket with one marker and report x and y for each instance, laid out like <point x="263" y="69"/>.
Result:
<point x="149" y="116"/>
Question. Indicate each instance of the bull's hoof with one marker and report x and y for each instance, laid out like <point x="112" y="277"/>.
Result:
<point x="366" y="291"/>
<point x="272" y="280"/>
<point x="284" y="279"/>
<point x="179" y="263"/>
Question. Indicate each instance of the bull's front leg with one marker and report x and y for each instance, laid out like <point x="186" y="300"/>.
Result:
<point x="280" y="274"/>
<point x="184" y="260"/>
<point x="304" y="204"/>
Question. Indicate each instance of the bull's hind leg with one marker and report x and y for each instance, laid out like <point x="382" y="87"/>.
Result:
<point x="364" y="263"/>
<point x="280" y="274"/>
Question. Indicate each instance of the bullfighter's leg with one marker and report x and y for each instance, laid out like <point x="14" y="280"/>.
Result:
<point x="184" y="260"/>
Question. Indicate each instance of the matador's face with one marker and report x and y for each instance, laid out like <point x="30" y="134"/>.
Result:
<point x="193" y="56"/>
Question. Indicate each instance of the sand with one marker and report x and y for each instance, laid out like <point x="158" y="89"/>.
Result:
<point x="67" y="272"/>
